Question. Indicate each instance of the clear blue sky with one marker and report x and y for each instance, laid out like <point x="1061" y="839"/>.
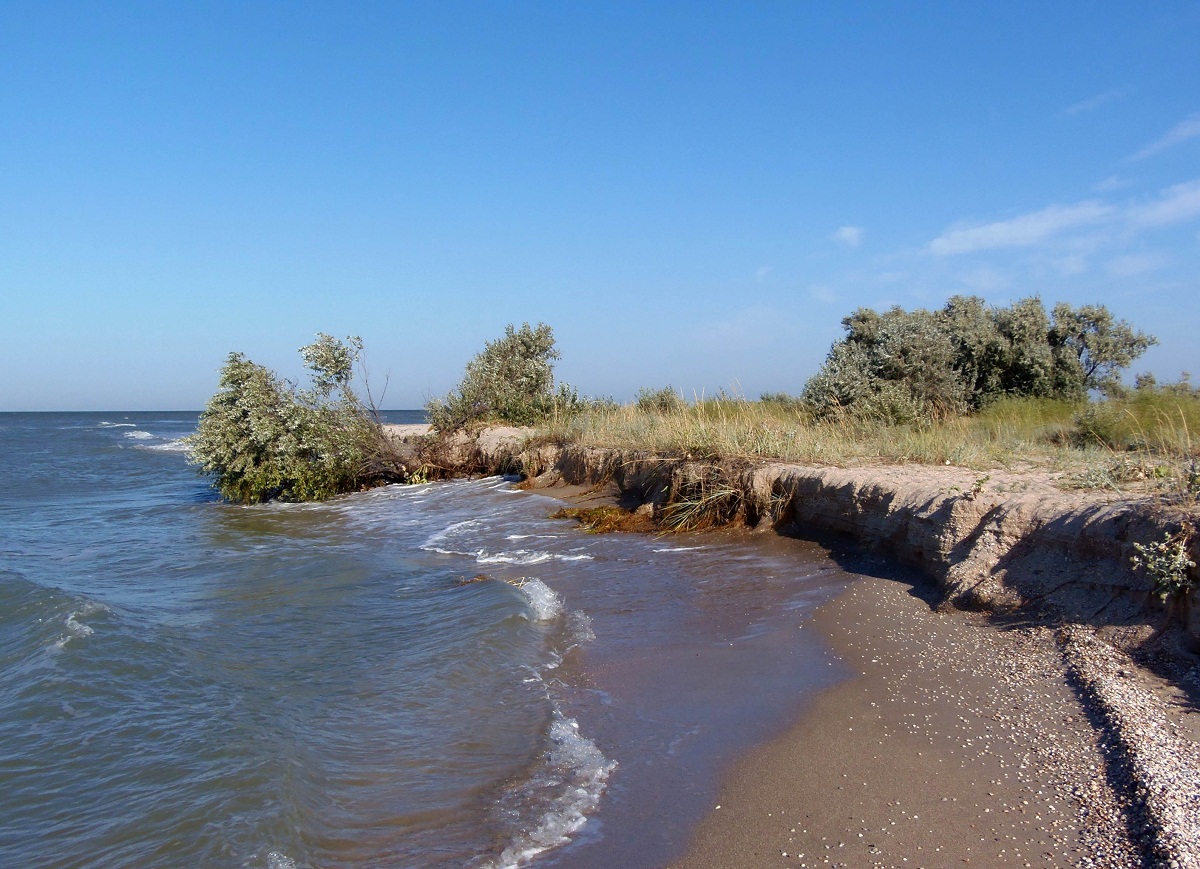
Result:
<point x="689" y="193"/>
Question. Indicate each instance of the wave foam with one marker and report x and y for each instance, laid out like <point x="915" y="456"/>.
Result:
<point x="432" y="544"/>
<point x="517" y="556"/>
<point x="139" y="435"/>
<point x="77" y="629"/>
<point x="175" y="446"/>
<point x="544" y="600"/>
<point x="115" y="425"/>
<point x="576" y="772"/>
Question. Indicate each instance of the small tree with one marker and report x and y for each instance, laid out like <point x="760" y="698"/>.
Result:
<point x="910" y="366"/>
<point x="511" y="380"/>
<point x="263" y="438"/>
<point x="1092" y="347"/>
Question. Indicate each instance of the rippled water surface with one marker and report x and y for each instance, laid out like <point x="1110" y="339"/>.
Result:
<point x="188" y="683"/>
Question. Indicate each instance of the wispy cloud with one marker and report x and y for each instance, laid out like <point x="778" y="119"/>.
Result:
<point x="1073" y="264"/>
<point x="1111" y="183"/>
<point x="760" y="274"/>
<point x="984" y="280"/>
<point x="822" y="294"/>
<point x="1177" y="203"/>
<point x="1093" y="103"/>
<point x="851" y="236"/>
<point x="755" y="326"/>
<point x="1134" y="264"/>
<point x="1023" y="231"/>
<point x="1188" y="128"/>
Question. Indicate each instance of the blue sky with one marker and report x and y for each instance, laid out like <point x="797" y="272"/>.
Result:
<point x="689" y="193"/>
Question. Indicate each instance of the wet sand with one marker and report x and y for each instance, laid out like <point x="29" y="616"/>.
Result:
<point x="960" y="744"/>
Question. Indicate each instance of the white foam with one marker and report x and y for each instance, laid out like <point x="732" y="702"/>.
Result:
<point x="517" y="556"/>
<point x="275" y="860"/>
<point x="435" y="541"/>
<point x="544" y="600"/>
<point x="116" y="425"/>
<point x="77" y="629"/>
<point x="576" y="772"/>
<point x="175" y="446"/>
<point x="677" y="549"/>
<point x="581" y="627"/>
<point x="139" y="435"/>
<point x="522" y="556"/>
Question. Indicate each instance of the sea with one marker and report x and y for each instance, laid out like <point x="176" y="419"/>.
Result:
<point x="413" y="676"/>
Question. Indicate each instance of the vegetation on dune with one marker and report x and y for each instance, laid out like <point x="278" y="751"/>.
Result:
<point x="1054" y="434"/>
<point x="263" y="438"/>
<point x="918" y="366"/>
<point x="967" y="384"/>
<point x="510" y="381"/>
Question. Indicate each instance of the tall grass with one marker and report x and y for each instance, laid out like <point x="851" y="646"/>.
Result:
<point x="1051" y="434"/>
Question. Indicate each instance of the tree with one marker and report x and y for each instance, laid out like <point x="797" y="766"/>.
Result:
<point x="1092" y="347"/>
<point x="511" y="380"/>
<point x="263" y="438"/>
<point x="904" y="366"/>
<point x="897" y="366"/>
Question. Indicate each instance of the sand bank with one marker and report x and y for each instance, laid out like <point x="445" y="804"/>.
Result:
<point x="1009" y="736"/>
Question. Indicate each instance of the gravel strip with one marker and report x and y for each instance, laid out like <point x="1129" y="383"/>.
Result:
<point x="1162" y="768"/>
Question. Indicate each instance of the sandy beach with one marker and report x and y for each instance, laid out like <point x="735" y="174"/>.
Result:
<point x="965" y="738"/>
<point x="960" y="744"/>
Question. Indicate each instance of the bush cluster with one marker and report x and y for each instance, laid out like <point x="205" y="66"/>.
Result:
<point x="917" y="366"/>
<point x="664" y="400"/>
<point x="264" y="438"/>
<point x="511" y="380"/>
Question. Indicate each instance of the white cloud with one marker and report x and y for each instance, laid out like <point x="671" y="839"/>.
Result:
<point x="1023" y="231"/>
<point x="1134" y="264"/>
<point x="1188" y="128"/>
<point x="761" y="273"/>
<point x="1074" y="264"/>
<point x="1177" y="203"/>
<point x="1093" y="103"/>
<point x="1111" y="183"/>
<point x="822" y="294"/>
<point x="851" y="236"/>
<point x="984" y="280"/>
<point x="756" y="326"/>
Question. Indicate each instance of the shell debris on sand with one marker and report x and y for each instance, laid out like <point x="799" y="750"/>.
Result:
<point x="1162" y="767"/>
<point x="958" y="744"/>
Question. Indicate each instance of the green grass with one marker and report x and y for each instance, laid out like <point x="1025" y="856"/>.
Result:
<point x="1151" y="430"/>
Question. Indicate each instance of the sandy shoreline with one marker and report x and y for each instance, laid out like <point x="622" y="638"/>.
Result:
<point x="965" y="740"/>
<point x="959" y="744"/>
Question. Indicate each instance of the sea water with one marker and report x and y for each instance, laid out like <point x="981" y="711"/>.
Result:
<point x="433" y="675"/>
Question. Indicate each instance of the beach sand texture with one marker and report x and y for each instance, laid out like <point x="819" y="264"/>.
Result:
<point x="958" y="745"/>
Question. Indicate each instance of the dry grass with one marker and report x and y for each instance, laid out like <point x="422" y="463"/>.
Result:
<point x="1145" y="438"/>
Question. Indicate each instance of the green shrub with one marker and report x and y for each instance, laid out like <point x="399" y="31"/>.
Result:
<point x="784" y="402"/>
<point x="263" y="438"/>
<point x="511" y="380"/>
<point x="664" y="400"/>
<point x="920" y="366"/>
<point x="1167" y="562"/>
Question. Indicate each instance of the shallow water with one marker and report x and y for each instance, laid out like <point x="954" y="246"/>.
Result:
<point x="186" y="682"/>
